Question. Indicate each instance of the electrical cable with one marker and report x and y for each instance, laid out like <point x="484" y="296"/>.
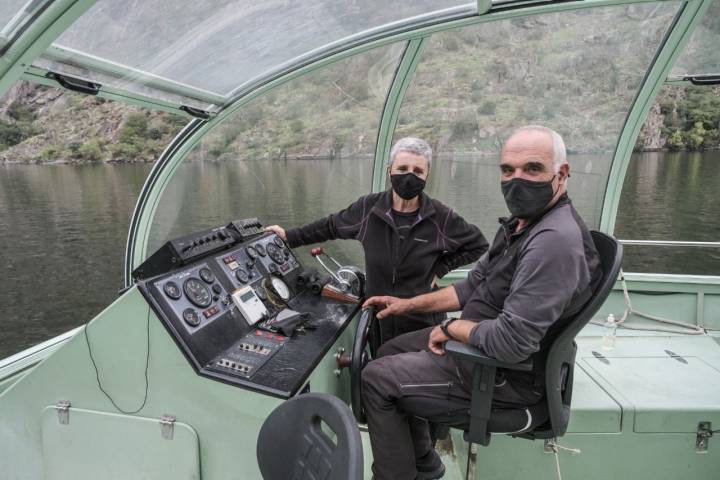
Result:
<point x="147" y="363"/>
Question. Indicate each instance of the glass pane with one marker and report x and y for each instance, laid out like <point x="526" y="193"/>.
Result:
<point x="65" y="205"/>
<point x="702" y="53"/>
<point x="302" y="151"/>
<point x="14" y="14"/>
<point x="219" y="45"/>
<point x="670" y="189"/>
<point x="576" y="72"/>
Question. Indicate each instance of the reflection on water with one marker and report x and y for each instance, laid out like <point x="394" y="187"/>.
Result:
<point x="63" y="228"/>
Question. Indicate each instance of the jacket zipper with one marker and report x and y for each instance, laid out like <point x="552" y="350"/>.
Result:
<point x="413" y="385"/>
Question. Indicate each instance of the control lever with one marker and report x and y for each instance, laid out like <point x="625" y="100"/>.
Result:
<point x="317" y="252"/>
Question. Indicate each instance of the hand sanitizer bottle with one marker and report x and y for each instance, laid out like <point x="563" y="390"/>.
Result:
<point x="608" y="339"/>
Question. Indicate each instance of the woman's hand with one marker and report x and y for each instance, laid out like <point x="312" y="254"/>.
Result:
<point x="389" y="305"/>
<point x="277" y="230"/>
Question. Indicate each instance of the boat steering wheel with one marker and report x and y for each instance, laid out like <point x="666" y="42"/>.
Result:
<point x="361" y="355"/>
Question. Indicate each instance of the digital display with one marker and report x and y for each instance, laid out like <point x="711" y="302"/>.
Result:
<point x="247" y="296"/>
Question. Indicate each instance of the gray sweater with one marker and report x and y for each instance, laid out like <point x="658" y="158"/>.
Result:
<point x="528" y="282"/>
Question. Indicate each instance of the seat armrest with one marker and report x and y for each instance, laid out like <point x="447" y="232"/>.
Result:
<point x="468" y="352"/>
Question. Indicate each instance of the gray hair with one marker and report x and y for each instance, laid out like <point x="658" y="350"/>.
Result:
<point x="559" y="152"/>
<point x="412" y="145"/>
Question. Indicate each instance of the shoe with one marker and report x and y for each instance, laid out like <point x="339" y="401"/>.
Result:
<point x="430" y="467"/>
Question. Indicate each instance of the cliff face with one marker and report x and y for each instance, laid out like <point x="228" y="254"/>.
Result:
<point x="46" y="125"/>
<point x="40" y="125"/>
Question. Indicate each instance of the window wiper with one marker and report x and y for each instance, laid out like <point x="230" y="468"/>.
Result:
<point x="713" y="79"/>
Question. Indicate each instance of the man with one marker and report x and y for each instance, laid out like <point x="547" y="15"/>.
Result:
<point x="540" y="270"/>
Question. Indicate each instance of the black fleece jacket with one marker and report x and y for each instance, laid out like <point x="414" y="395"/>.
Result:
<point x="439" y="240"/>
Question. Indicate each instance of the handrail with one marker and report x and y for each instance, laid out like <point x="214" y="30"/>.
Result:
<point x="671" y="243"/>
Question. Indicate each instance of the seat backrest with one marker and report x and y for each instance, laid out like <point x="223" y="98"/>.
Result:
<point x="310" y="436"/>
<point x="560" y="361"/>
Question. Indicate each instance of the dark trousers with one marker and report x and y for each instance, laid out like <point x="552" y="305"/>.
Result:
<point x="408" y="381"/>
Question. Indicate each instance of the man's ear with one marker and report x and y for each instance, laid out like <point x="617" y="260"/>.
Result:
<point x="564" y="172"/>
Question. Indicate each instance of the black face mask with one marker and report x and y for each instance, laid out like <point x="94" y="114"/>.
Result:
<point x="525" y="198"/>
<point x="407" y="185"/>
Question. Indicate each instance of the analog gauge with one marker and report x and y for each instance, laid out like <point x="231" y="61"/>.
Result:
<point x="260" y="249"/>
<point x="191" y="317"/>
<point x="207" y="275"/>
<point x="275" y="253"/>
<point x="197" y="292"/>
<point x="278" y="241"/>
<point x="280" y="288"/>
<point x="242" y="275"/>
<point x="261" y="293"/>
<point x="172" y="290"/>
<point x="251" y="252"/>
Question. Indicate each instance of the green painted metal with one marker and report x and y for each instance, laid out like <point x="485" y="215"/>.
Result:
<point x="483" y="6"/>
<point x="656" y="76"/>
<point x="95" y="64"/>
<point x="37" y="75"/>
<point x="393" y="102"/>
<point x="226" y="418"/>
<point x="145" y="211"/>
<point x="59" y="15"/>
<point x="88" y="446"/>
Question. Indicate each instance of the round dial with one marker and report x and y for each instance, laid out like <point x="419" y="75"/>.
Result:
<point x="251" y="252"/>
<point x="281" y="288"/>
<point x="207" y="275"/>
<point x="172" y="290"/>
<point x="260" y="292"/>
<point x="197" y="292"/>
<point x="191" y="317"/>
<point x="278" y="241"/>
<point x="260" y="249"/>
<point x="242" y="275"/>
<point x="275" y="253"/>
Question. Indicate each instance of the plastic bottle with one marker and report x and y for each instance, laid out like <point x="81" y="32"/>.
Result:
<point x="608" y="339"/>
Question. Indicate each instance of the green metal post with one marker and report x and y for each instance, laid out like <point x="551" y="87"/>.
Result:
<point x="396" y="94"/>
<point x="49" y="25"/>
<point x="676" y="40"/>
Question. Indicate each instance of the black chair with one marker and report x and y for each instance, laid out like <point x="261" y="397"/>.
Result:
<point x="550" y="418"/>
<point x="310" y="437"/>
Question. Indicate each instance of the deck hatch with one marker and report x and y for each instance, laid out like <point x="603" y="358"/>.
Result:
<point x="112" y="446"/>
<point x="668" y="396"/>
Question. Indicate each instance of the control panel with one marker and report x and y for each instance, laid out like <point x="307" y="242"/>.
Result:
<point x="229" y="308"/>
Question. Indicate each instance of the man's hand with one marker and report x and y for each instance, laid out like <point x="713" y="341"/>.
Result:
<point x="389" y="305"/>
<point x="436" y="344"/>
<point x="277" y="230"/>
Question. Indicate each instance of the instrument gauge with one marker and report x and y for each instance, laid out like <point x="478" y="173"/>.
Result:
<point x="207" y="275"/>
<point x="278" y="241"/>
<point x="260" y="249"/>
<point x="251" y="252"/>
<point x="260" y="292"/>
<point x="191" y="317"/>
<point x="280" y="288"/>
<point x="242" y="275"/>
<point x="172" y="290"/>
<point x="275" y="253"/>
<point x="197" y="292"/>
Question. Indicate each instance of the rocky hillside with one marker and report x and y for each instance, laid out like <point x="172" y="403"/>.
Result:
<point x="46" y="125"/>
<point x="40" y="125"/>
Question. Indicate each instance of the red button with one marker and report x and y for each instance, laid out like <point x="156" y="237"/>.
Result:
<point x="207" y="313"/>
<point x="258" y="333"/>
<point x="281" y="338"/>
<point x="269" y="335"/>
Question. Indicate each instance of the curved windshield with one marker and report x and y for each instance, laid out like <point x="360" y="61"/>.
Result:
<point x="207" y="49"/>
<point x="14" y="14"/>
<point x="701" y="55"/>
<point x="576" y="72"/>
<point x="299" y="152"/>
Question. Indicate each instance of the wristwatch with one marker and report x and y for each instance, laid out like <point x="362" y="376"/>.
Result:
<point x="444" y="327"/>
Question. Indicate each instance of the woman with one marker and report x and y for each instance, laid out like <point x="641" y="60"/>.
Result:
<point x="410" y="240"/>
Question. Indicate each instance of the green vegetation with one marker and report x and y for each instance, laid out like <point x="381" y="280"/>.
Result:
<point x="691" y="117"/>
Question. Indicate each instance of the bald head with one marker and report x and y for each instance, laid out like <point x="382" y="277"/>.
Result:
<point x="535" y="154"/>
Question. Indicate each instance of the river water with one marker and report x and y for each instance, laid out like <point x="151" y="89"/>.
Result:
<point x="63" y="228"/>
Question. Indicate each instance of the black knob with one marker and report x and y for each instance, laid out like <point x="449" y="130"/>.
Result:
<point x="216" y="288"/>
